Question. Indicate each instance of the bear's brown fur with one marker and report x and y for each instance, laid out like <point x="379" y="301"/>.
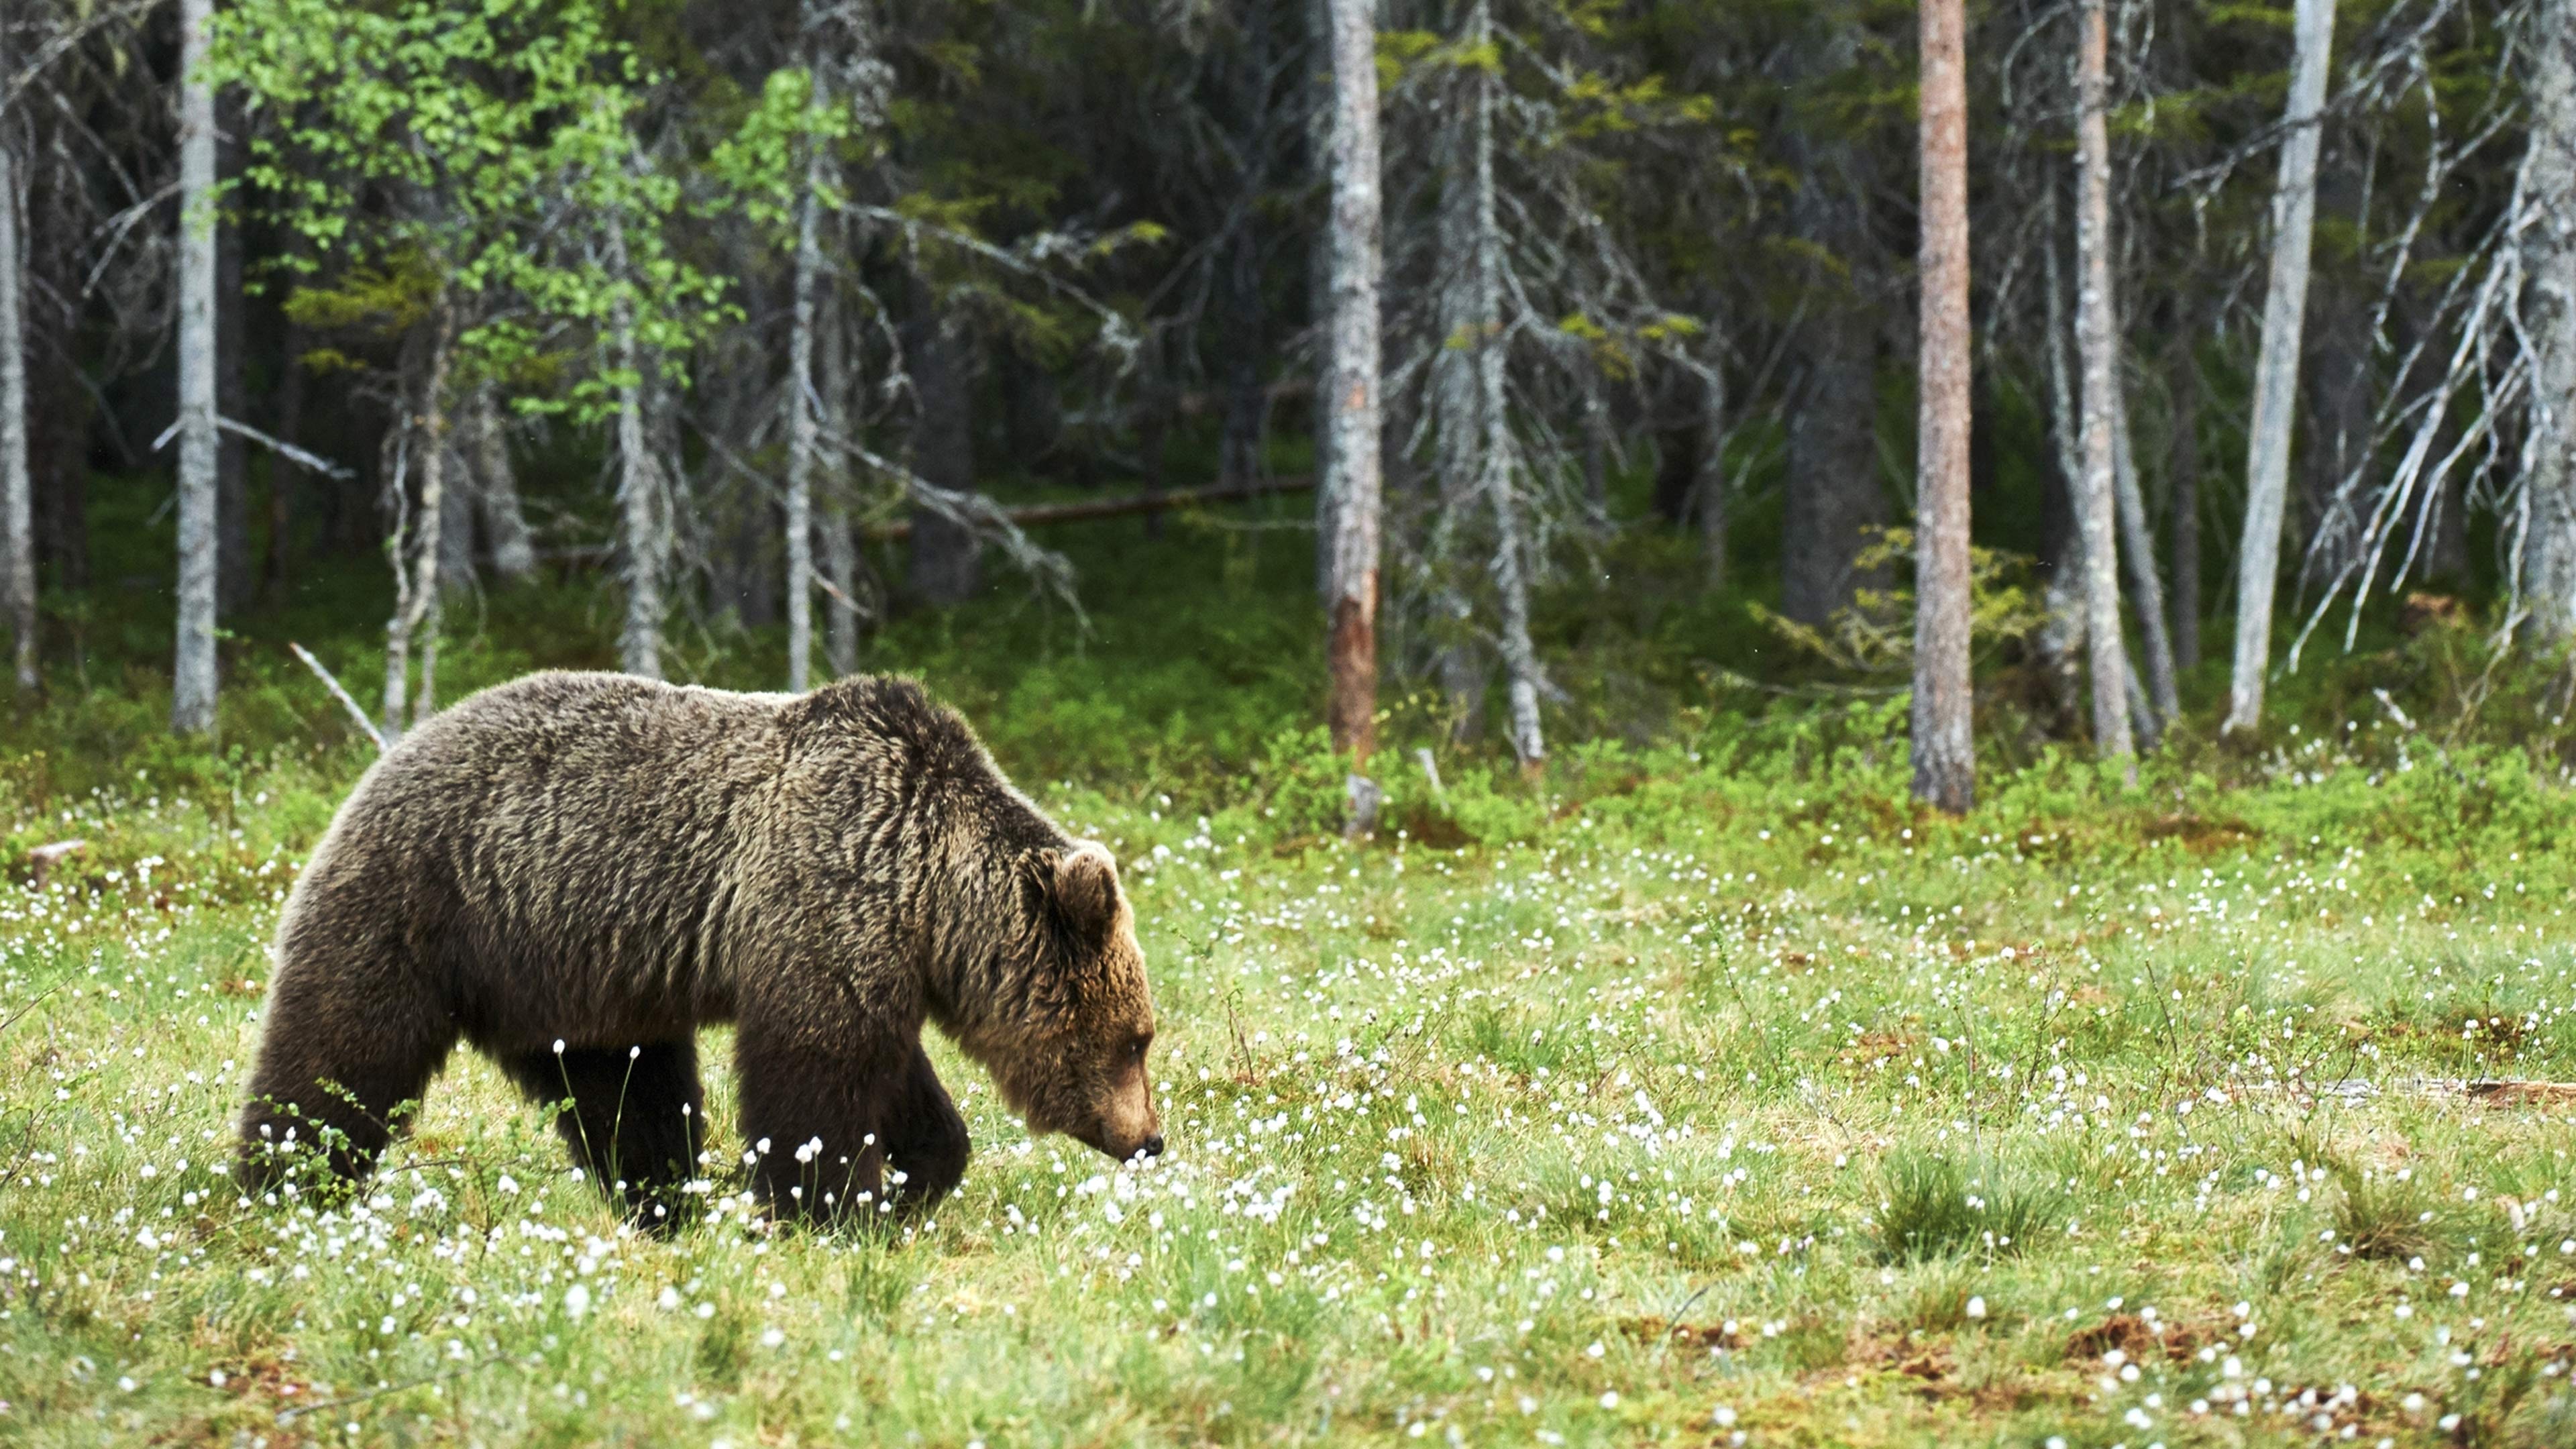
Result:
<point x="573" y="872"/>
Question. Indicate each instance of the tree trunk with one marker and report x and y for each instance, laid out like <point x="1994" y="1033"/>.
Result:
<point x="192" y="685"/>
<point x="643" y="510"/>
<point x="947" y="561"/>
<point x="416" y="604"/>
<point x="456" y="571"/>
<point x="2335" y="440"/>
<point x="17" y="481"/>
<point x="845" y="623"/>
<point x="1677" y="449"/>
<point x="1247" y="400"/>
<point x="2276" y="373"/>
<point x="1690" y="470"/>
<point x="1944" y="743"/>
<point x="1710" y="498"/>
<point x="2549" y="319"/>
<point x="2098" y="341"/>
<point x="1497" y="450"/>
<point x="496" y="493"/>
<point x="235" y="571"/>
<point x="1350" y="401"/>
<point x="2184" y="499"/>
<point x="2061" y="532"/>
<point x="1832" y="500"/>
<point x="2138" y="550"/>
<point x="59" y="407"/>
<point x="282" y="480"/>
<point x="803" y="438"/>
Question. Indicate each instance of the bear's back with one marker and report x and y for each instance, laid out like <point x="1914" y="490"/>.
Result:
<point x="570" y="829"/>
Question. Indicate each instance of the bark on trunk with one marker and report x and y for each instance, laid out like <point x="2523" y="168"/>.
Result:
<point x="1247" y="401"/>
<point x="2276" y="374"/>
<point x="2336" y="437"/>
<point x="1498" y="450"/>
<point x="2549" y="318"/>
<point x="192" y="685"/>
<point x="803" y="433"/>
<point x="415" y="561"/>
<point x="1353" y="468"/>
<point x="844" y="622"/>
<point x="496" y="493"/>
<point x="17" y="481"/>
<point x="2061" y="529"/>
<point x="2098" y="340"/>
<point x="643" y="510"/>
<point x="2184" y="491"/>
<point x="2138" y="551"/>
<point x="1944" y="745"/>
<point x="235" y="572"/>
<point x="1712" y="502"/>
<point x="1832" y="500"/>
<point x="59" y="408"/>
<point x="456" y="571"/>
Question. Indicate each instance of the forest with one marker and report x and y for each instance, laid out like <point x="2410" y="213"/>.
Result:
<point x="1831" y="721"/>
<point x="780" y="324"/>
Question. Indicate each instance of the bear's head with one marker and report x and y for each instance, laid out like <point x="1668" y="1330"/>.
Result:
<point x="1075" y="1063"/>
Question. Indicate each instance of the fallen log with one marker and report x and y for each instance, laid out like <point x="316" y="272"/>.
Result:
<point x="580" y="555"/>
<point x="1036" y="514"/>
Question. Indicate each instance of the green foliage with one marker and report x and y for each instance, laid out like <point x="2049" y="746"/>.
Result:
<point x="474" y="159"/>
<point x="1875" y="634"/>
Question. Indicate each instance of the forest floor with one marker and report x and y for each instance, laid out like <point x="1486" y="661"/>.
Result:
<point x="1714" y="1098"/>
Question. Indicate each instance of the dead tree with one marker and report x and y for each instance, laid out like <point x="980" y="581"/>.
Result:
<point x="1944" y="745"/>
<point x="192" y="686"/>
<point x="2276" y="374"/>
<point x="1350" y="400"/>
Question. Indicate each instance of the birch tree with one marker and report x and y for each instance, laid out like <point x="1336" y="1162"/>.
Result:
<point x="17" y="483"/>
<point x="2138" y="548"/>
<point x="192" y="688"/>
<point x="803" y="399"/>
<point x="2276" y="374"/>
<point x="1352" y="497"/>
<point x="2548" y="246"/>
<point x="644" y="511"/>
<point x="465" y="176"/>
<point x="1944" y="746"/>
<point x="2098" y="343"/>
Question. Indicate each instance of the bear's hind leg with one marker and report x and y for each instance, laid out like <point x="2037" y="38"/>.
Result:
<point x="340" y="1054"/>
<point x="814" y="1101"/>
<point x="636" y="1122"/>
<point x="925" y="1138"/>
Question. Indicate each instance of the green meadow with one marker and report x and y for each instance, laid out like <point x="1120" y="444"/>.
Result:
<point x="1701" y="1091"/>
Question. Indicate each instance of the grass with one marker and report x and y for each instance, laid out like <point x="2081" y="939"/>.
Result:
<point x="1701" y="1100"/>
<point x="1704" y="1092"/>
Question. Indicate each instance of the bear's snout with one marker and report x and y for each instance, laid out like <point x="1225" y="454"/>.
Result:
<point x="1153" y="1146"/>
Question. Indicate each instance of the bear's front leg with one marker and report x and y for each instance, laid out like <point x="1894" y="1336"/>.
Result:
<point x="924" y="1138"/>
<point x="814" y="1095"/>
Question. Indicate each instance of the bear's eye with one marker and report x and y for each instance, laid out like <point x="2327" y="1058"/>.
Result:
<point x="1137" y="1047"/>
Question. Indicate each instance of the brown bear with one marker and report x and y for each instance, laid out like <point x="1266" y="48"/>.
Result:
<point x="574" y="872"/>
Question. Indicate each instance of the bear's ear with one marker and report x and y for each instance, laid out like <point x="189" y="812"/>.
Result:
<point x="1085" y="889"/>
